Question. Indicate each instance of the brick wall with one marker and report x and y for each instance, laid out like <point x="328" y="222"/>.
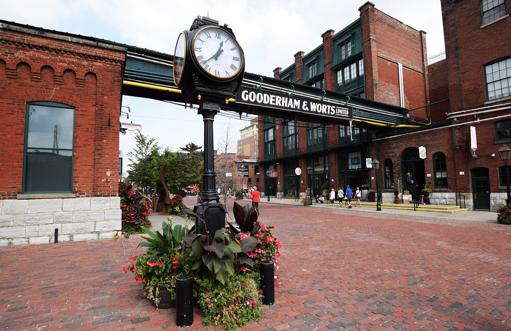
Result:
<point x="438" y="90"/>
<point x="89" y="79"/>
<point x="42" y="66"/>
<point x="383" y="38"/>
<point x="469" y="46"/>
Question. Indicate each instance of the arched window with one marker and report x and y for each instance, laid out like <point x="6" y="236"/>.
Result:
<point x="440" y="170"/>
<point x="49" y="131"/>
<point x="388" y="174"/>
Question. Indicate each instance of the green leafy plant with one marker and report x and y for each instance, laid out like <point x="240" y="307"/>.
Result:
<point x="504" y="215"/>
<point x="233" y="304"/>
<point x="165" y="258"/>
<point x="216" y="258"/>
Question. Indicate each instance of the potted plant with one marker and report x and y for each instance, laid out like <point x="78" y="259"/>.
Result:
<point x="157" y="269"/>
<point x="504" y="215"/>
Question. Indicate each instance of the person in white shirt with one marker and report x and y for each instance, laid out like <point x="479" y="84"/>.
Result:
<point x="332" y="196"/>
<point x="358" y="196"/>
<point x="340" y="196"/>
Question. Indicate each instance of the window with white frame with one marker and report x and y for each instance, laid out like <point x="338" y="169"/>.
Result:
<point x="498" y="79"/>
<point x="312" y="69"/>
<point x="492" y="10"/>
<point x="361" y="67"/>
<point x="346" y="49"/>
<point x="339" y="77"/>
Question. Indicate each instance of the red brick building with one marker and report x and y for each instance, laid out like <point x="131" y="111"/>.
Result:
<point x="471" y="102"/>
<point x="365" y="59"/>
<point x="59" y="159"/>
<point x="464" y="102"/>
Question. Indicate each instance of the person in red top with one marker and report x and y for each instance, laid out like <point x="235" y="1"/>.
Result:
<point x="256" y="197"/>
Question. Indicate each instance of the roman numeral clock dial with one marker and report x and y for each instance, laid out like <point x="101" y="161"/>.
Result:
<point x="217" y="53"/>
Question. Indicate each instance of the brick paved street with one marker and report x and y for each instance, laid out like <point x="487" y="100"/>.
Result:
<point x="337" y="271"/>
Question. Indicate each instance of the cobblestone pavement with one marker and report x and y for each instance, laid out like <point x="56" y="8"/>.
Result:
<point x="338" y="271"/>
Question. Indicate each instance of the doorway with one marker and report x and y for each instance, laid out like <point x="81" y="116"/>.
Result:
<point x="481" y="188"/>
<point x="413" y="164"/>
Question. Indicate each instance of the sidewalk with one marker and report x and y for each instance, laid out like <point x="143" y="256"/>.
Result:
<point x="468" y="216"/>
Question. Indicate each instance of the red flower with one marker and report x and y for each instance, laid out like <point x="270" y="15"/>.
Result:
<point x="155" y="264"/>
<point x="132" y="257"/>
<point x="244" y="236"/>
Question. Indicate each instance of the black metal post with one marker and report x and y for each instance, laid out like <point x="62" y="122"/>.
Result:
<point x="56" y="236"/>
<point x="508" y="200"/>
<point x="378" y="193"/>
<point x="184" y="304"/>
<point x="268" y="282"/>
<point x="208" y="190"/>
<point x="210" y="208"/>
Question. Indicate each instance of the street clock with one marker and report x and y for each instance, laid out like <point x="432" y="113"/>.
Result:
<point x="208" y="62"/>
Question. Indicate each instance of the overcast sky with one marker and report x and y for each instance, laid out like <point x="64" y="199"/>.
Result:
<point x="270" y="32"/>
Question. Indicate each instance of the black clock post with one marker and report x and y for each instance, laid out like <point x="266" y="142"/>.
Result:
<point x="210" y="208"/>
<point x="208" y="68"/>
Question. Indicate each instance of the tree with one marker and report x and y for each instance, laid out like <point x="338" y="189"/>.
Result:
<point x="191" y="148"/>
<point x="144" y="166"/>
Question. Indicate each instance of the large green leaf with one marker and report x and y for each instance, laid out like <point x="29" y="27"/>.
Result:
<point x="248" y="244"/>
<point x="229" y="267"/>
<point x="221" y="277"/>
<point x="208" y="262"/>
<point x="196" y="250"/>
<point x="233" y="247"/>
<point x="217" y="248"/>
<point x="217" y="266"/>
<point x="246" y="260"/>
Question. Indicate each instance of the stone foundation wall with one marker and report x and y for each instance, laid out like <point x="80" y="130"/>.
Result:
<point x="497" y="200"/>
<point x="77" y="219"/>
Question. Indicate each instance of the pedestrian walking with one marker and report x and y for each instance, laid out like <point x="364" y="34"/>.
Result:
<point x="340" y="196"/>
<point x="256" y="198"/>
<point x="358" y="196"/>
<point x="332" y="196"/>
<point x="349" y="196"/>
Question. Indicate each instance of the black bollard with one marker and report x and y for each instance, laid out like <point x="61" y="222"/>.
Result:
<point x="268" y="282"/>
<point x="56" y="237"/>
<point x="184" y="304"/>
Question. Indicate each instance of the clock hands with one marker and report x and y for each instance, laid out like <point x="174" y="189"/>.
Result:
<point x="217" y="53"/>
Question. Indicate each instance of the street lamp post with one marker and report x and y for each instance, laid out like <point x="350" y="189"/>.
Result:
<point x="505" y="155"/>
<point x="376" y="165"/>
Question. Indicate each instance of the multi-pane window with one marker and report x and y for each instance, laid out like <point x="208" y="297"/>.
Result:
<point x="269" y="141"/>
<point x="440" y="170"/>
<point x="388" y="174"/>
<point x="492" y="10"/>
<point x="355" y="134"/>
<point x="319" y="84"/>
<point x="498" y="79"/>
<point x="315" y="134"/>
<point x="503" y="131"/>
<point x="502" y="175"/>
<point x="354" y="160"/>
<point x="346" y="74"/>
<point x="346" y="49"/>
<point x="353" y="70"/>
<point x="350" y="72"/>
<point x="312" y="69"/>
<point x="49" y="148"/>
<point x="290" y="136"/>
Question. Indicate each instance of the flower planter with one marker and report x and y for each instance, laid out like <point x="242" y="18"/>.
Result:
<point x="165" y="297"/>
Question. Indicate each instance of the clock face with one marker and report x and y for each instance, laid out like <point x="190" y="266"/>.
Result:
<point x="179" y="57"/>
<point x="217" y="53"/>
